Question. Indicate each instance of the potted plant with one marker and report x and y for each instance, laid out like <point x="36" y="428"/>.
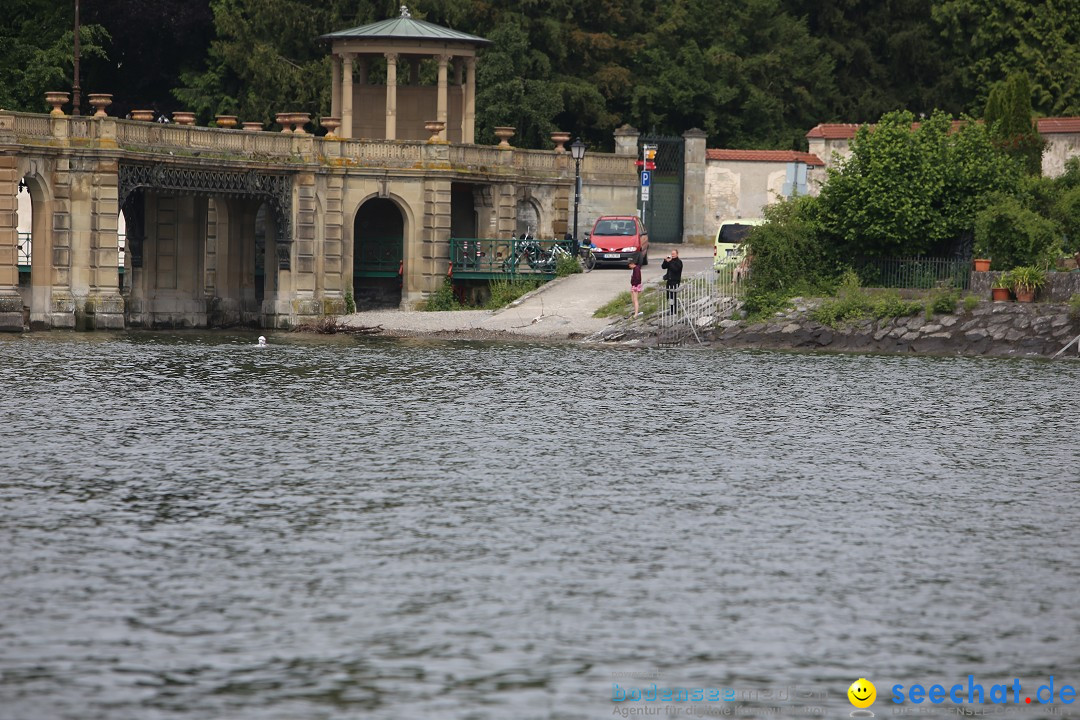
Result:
<point x="1000" y="292"/>
<point x="1026" y="281"/>
<point x="982" y="264"/>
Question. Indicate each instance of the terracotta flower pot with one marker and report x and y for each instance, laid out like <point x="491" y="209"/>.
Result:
<point x="253" y="126"/>
<point x="182" y="117"/>
<point x="282" y="119"/>
<point x="1025" y="296"/>
<point x="1000" y="294"/>
<point x="504" y="134"/>
<point x="100" y="101"/>
<point x="435" y="127"/>
<point x="560" y="139"/>
<point x="298" y="121"/>
<point x="142" y="115"/>
<point x="226" y="121"/>
<point x="57" y="99"/>
<point x="982" y="265"/>
<point x="331" y="124"/>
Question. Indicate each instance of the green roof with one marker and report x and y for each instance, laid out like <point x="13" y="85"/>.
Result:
<point x="405" y="28"/>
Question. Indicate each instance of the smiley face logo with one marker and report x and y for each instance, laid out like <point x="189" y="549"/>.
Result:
<point x="862" y="693"/>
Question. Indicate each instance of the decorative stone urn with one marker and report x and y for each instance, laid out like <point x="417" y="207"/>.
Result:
<point x="57" y="99"/>
<point x="143" y="115"/>
<point x="100" y="101"/>
<point x="299" y="120"/>
<point x="253" y="125"/>
<point x="435" y="127"/>
<point x="225" y="121"/>
<point x="331" y="124"/>
<point x="560" y="139"/>
<point x="504" y="134"/>
<point x="282" y="119"/>
<point x="183" y="117"/>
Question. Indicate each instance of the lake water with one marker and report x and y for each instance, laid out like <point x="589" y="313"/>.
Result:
<point x="193" y="527"/>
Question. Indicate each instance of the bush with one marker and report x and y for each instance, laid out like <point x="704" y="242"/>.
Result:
<point x="566" y="265"/>
<point x="942" y="301"/>
<point x="852" y="304"/>
<point x="442" y="299"/>
<point x="1010" y="235"/>
<point x="504" y="292"/>
<point x="787" y="257"/>
<point x="350" y="302"/>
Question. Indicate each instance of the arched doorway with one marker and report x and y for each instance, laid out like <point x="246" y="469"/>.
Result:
<point x="378" y="251"/>
<point x="34" y="250"/>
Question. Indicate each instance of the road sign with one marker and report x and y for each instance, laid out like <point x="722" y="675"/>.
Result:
<point x="646" y="178"/>
<point x="644" y="193"/>
<point x="647" y="164"/>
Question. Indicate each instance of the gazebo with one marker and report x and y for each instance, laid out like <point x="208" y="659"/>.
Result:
<point x="400" y="112"/>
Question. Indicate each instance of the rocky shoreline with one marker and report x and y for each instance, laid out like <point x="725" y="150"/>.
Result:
<point x="990" y="329"/>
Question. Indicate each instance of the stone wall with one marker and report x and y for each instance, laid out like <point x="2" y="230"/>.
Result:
<point x="1060" y="286"/>
<point x="994" y="329"/>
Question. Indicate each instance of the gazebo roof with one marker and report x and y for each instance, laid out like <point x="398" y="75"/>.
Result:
<point x="405" y="27"/>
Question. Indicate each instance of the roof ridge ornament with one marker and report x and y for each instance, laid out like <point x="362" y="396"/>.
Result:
<point x="405" y="11"/>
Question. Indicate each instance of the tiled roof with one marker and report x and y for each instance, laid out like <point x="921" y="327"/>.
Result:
<point x="834" y="131"/>
<point x="784" y="156"/>
<point x="1059" y="125"/>
<point x="405" y="28"/>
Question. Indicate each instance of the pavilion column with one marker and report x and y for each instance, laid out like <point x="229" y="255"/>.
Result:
<point x="444" y="61"/>
<point x="335" y="86"/>
<point x="347" y="97"/>
<point x="469" y="136"/>
<point x="391" y="96"/>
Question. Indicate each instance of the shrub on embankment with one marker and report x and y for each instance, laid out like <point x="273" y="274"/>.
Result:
<point x="910" y="191"/>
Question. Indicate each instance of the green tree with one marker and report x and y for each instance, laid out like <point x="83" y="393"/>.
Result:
<point x="515" y="88"/>
<point x="1012" y="235"/>
<point x="37" y="51"/>
<point x="992" y="39"/>
<point x="912" y="190"/>
<point x="1008" y="115"/>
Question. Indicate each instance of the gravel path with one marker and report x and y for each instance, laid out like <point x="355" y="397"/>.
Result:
<point x="562" y="309"/>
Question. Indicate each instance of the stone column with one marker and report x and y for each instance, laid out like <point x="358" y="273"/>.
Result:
<point x="391" y="96"/>
<point x="11" y="304"/>
<point x="694" y="186"/>
<point x="347" y="97"/>
<point x="335" y="86"/>
<point x="469" y="125"/>
<point x="443" y="100"/>
<point x="626" y="140"/>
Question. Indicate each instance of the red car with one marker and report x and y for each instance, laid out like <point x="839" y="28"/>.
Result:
<point x="620" y="238"/>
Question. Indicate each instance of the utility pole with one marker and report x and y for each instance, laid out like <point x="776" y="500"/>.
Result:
<point x="76" y="101"/>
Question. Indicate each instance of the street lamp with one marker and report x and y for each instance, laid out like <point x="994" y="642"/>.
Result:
<point x="577" y="151"/>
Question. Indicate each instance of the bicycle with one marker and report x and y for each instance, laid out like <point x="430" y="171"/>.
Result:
<point x="587" y="257"/>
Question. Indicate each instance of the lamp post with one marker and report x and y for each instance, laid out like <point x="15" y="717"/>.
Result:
<point x="577" y="151"/>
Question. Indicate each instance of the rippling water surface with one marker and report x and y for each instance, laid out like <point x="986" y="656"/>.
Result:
<point x="194" y="527"/>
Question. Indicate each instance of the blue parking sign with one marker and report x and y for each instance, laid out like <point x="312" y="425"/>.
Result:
<point x="646" y="178"/>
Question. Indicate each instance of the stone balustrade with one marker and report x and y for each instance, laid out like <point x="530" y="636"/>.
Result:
<point x="293" y="148"/>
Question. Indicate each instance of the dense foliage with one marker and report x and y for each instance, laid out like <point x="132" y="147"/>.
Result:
<point x="751" y="73"/>
<point x="907" y="189"/>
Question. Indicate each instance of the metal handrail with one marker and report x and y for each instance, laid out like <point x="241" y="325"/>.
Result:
<point x="510" y="256"/>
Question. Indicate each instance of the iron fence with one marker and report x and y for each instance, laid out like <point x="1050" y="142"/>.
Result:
<point x="697" y="304"/>
<point x="915" y="273"/>
<point x="488" y="258"/>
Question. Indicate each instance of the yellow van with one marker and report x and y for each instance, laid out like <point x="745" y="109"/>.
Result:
<point x="728" y="248"/>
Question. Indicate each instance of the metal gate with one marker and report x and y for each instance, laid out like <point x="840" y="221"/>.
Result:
<point x="663" y="213"/>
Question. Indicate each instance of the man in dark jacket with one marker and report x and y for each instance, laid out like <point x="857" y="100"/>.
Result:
<point x="673" y="276"/>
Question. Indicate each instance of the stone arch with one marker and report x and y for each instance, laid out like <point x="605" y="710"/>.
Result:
<point x="527" y="216"/>
<point x="37" y="277"/>
<point x="380" y="228"/>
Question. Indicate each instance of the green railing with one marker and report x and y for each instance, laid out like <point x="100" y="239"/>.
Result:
<point x="487" y="258"/>
<point x="914" y="272"/>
